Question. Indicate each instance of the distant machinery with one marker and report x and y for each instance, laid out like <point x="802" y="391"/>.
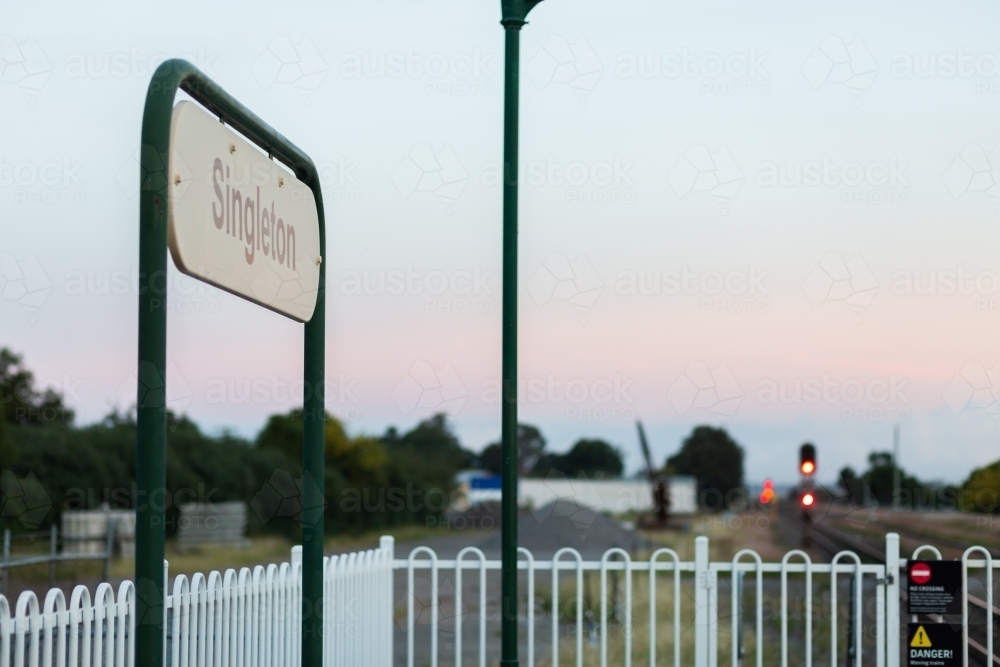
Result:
<point x="659" y="487"/>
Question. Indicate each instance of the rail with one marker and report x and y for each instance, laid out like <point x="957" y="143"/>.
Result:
<point x="55" y="556"/>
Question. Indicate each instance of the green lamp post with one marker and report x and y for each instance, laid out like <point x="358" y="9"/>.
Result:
<point x="514" y="14"/>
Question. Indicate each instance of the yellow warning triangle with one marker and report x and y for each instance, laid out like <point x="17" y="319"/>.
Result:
<point x="920" y="639"/>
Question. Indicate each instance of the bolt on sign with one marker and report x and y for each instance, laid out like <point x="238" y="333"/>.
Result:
<point x="934" y="644"/>
<point x="237" y="219"/>
<point x="934" y="587"/>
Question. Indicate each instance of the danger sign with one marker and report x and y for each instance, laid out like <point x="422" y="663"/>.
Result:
<point x="934" y="587"/>
<point x="921" y="639"/>
<point x="934" y="644"/>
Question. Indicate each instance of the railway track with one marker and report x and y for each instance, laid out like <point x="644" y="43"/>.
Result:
<point x="918" y="536"/>
<point x="828" y="539"/>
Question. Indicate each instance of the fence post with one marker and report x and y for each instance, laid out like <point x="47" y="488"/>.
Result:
<point x="740" y="648"/>
<point x="6" y="557"/>
<point x="892" y="599"/>
<point x="109" y="547"/>
<point x="53" y="547"/>
<point x="166" y="608"/>
<point x="852" y="621"/>
<point x="387" y="545"/>
<point x="701" y="585"/>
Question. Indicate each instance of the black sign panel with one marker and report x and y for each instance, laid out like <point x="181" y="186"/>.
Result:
<point x="934" y="587"/>
<point x="934" y="644"/>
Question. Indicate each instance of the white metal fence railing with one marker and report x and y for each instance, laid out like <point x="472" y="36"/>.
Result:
<point x="663" y="568"/>
<point x="583" y="612"/>
<point x="846" y="611"/>
<point x="250" y="618"/>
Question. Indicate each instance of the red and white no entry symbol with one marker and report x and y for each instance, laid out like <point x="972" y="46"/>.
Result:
<point x="920" y="573"/>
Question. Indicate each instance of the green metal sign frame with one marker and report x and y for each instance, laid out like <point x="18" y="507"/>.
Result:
<point x="151" y="407"/>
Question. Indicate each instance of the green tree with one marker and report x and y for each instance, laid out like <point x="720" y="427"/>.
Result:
<point x="879" y="480"/>
<point x="352" y="456"/>
<point x="429" y="452"/>
<point x="8" y="453"/>
<point x="370" y="482"/>
<point x="877" y="485"/>
<point x="981" y="491"/>
<point x="83" y="468"/>
<point x="24" y="403"/>
<point x="714" y="459"/>
<point x="358" y="471"/>
<point x="530" y="449"/>
<point x="590" y="457"/>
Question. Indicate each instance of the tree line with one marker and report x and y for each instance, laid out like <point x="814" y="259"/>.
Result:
<point x="876" y="485"/>
<point x="50" y="464"/>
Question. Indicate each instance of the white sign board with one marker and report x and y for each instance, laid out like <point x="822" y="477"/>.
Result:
<point x="237" y="219"/>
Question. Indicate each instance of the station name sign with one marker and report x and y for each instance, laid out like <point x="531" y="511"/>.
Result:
<point x="237" y="219"/>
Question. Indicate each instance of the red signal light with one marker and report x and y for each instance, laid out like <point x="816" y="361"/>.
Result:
<point x="767" y="493"/>
<point x="808" y="499"/>
<point x="808" y="467"/>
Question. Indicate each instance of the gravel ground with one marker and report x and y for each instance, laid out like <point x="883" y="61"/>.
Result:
<point x="543" y="531"/>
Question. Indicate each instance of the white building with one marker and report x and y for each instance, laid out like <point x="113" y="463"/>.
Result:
<point x="615" y="496"/>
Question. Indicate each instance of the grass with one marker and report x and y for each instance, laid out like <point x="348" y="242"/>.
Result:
<point x="411" y="533"/>
<point x="640" y="625"/>
<point x="262" y="550"/>
<point x="37" y="576"/>
<point x="771" y="625"/>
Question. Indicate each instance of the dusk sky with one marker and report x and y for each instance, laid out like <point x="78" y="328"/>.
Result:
<point x="780" y="217"/>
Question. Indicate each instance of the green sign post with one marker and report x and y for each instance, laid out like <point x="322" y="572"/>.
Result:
<point x="514" y="14"/>
<point x="151" y="408"/>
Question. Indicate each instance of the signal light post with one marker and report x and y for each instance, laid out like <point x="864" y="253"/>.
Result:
<point x="769" y="499"/>
<point x="807" y="493"/>
<point x="807" y="460"/>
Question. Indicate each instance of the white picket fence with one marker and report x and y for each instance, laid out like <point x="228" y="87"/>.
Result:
<point x="250" y="618"/>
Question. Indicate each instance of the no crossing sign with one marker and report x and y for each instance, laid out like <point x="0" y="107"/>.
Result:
<point x="934" y="587"/>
